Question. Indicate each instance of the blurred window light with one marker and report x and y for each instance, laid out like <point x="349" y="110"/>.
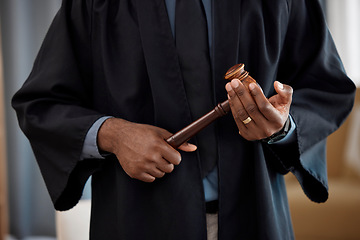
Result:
<point x="344" y="23"/>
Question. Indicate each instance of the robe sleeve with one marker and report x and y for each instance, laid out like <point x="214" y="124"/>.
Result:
<point x="323" y="96"/>
<point x="54" y="104"/>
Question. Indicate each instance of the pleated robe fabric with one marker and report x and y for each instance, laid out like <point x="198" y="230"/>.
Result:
<point x="118" y="58"/>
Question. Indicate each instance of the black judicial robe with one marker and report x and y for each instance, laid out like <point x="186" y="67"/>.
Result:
<point x="117" y="57"/>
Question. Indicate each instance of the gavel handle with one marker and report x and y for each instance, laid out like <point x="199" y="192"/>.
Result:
<point x="236" y="71"/>
<point x="189" y="131"/>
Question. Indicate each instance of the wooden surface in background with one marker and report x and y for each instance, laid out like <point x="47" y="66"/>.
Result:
<point x="336" y="146"/>
<point x="3" y="176"/>
<point x="339" y="217"/>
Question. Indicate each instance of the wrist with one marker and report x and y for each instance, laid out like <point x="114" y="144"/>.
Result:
<point x="107" y="134"/>
<point x="278" y="135"/>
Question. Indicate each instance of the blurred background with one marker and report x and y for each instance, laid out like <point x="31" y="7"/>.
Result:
<point x="26" y="211"/>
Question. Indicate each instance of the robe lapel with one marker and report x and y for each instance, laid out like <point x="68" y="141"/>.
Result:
<point x="226" y="36"/>
<point x="162" y="60"/>
<point x="171" y="106"/>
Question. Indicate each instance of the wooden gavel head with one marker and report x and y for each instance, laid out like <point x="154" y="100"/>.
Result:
<point x="238" y="72"/>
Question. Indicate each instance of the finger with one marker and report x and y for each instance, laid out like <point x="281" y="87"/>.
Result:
<point x="247" y="101"/>
<point x="264" y="106"/>
<point x="155" y="172"/>
<point x="285" y="92"/>
<point x="163" y="133"/>
<point x="164" y="166"/>
<point x="237" y="109"/>
<point x="187" y="147"/>
<point x="170" y="154"/>
<point x="146" y="177"/>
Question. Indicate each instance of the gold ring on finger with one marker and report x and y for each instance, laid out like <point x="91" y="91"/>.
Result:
<point x="246" y="121"/>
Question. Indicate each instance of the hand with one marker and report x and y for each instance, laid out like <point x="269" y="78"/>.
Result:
<point x="268" y="116"/>
<point x="141" y="149"/>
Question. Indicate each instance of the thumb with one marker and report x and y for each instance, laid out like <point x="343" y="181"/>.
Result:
<point x="284" y="91"/>
<point x="187" y="147"/>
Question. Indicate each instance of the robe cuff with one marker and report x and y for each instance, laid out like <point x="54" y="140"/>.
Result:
<point x="90" y="148"/>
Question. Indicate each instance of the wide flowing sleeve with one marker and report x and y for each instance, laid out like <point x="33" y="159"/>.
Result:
<point x="54" y="104"/>
<point x="323" y="95"/>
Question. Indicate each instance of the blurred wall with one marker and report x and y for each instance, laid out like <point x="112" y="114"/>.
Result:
<point x="344" y="20"/>
<point x="23" y="27"/>
<point x="344" y="23"/>
<point x="3" y="176"/>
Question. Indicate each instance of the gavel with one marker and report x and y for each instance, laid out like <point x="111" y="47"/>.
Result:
<point x="236" y="71"/>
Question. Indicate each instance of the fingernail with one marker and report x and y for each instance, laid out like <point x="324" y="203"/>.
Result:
<point x="228" y="87"/>
<point x="252" y="86"/>
<point x="235" y="83"/>
<point x="280" y="85"/>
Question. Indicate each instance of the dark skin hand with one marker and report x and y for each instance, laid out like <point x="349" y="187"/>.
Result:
<point x="268" y="115"/>
<point x="141" y="149"/>
<point x="145" y="155"/>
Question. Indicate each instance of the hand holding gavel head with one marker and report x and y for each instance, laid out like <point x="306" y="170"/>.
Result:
<point x="258" y="117"/>
<point x="238" y="72"/>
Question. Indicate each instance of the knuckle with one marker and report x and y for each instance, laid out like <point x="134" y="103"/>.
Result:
<point x="163" y="134"/>
<point x="290" y="89"/>
<point x="176" y="161"/>
<point x="267" y="133"/>
<point x="240" y="91"/>
<point x="251" y="108"/>
<point x="155" y="156"/>
<point x="136" y="171"/>
<point x="174" y="158"/>
<point x="158" y="145"/>
<point x="265" y="108"/>
<point x="241" y="115"/>
<point x="169" y="168"/>
<point x="152" y="155"/>
<point x="146" y="168"/>
<point x="148" y="179"/>
<point x="153" y="137"/>
<point x="278" y="126"/>
<point x="159" y="174"/>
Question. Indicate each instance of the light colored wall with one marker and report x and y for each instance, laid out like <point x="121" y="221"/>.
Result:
<point x="343" y="21"/>
<point x="3" y="192"/>
<point x="23" y="27"/>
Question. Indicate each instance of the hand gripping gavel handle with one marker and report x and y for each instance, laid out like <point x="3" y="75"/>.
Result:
<point x="220" y="110"/>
